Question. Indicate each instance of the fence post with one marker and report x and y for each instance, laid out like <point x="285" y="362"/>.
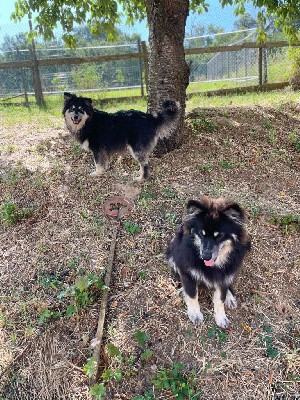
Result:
<point x="145" y="57"/>
<point x="260" y="66"/>
<point x="141" y="67"/>
<point x="265" y="66"/>
<point x="36" y="73"/>
<point x="23" y="80"/>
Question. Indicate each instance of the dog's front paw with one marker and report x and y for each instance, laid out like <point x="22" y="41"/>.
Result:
<point x="222" y="321"/>
<point x="195" y="316"/>
<point x="96" y="173"/>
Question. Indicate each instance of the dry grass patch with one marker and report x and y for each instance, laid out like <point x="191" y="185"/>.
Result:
<point x="151" y="350"/>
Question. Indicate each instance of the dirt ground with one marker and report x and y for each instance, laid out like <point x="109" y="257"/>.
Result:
<point x="250" y="155"/>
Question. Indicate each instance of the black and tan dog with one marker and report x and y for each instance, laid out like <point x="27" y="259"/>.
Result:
<point x="106" y="134"/>
<point x="208" y="249"/>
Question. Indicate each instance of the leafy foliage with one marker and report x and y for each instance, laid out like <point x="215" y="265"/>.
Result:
<point x="103" y="15"/>
<point x="83" y="293"/>
<point x="90" y="368"/>
<point x="98" y="391"/>
<point x="11" y="213"/>
<point x="173" y="379"/>
<point x="131" y="228"/>
<point x="141" y="338"/>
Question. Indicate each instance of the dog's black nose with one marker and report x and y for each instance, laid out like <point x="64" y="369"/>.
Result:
<point x="206" y="256"/>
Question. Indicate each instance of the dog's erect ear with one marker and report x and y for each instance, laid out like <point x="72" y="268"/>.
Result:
<point x="196" y="206"/>
<point x="68" y="96"/>
<point x="235" y="212"/>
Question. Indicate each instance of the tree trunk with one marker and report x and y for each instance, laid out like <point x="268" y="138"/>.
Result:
<point x="168" y="70"/>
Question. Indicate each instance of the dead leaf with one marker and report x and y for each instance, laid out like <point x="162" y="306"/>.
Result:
<point x="282" y="308"/>
<point x="129" y="191"/>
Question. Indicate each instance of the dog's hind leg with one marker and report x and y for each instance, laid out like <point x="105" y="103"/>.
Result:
<point x="143" y="159"/>
<point x="101" y="160"/>
<point x="144" y="170"/>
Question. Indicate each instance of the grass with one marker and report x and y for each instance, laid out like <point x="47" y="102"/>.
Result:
<point x="49" y="116"/>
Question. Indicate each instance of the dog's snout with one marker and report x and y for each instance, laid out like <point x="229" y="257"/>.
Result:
<point x="206" y="255"/>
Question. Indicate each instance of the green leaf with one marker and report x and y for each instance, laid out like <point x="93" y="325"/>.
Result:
<point x="90" y="368"/>
<point x="71" y="310"/>
<point x="146" y="355"/>
<point x="82" y="283"/>
<point x="141" y="337"/>
<point x="112" y="350"/>
<point x="97" y="391"/>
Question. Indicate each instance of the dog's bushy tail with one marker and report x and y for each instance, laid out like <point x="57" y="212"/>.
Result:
<point x="167" y="118"/>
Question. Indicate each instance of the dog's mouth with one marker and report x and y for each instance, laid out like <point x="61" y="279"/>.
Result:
<point x="76" y="121"/>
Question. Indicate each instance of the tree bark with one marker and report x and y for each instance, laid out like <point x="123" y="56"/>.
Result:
<point x="168" y="70"/>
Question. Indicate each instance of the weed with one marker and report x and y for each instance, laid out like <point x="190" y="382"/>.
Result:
<point x="266" y="124"/>
<point x="205" y="167"/>
<point x="11" y="178"/>
<point x="171" y="218"/>
<point x="49" y="280"/>
<point x="224" y="164"/>
<point x="112" y="350"/>
<point x="169" y="193"/>
<point x="97" y="391"/>
<point x="200" y="124"/>
<point x="182" y="386"/>
<point x="83" y="293"/>
<point x="76" y="149"/>
<point x="272" y="136"/>
<point x="146" y="355"/>
<point x="141" y="338"/>
<point x="294" y="137"/>
<point x="144" y="198"/>
<point x="254" y="210"/>
<point x="90" y="368"/>
<point x="131" y="228"/>
<point x="145" y="396"/>
<point x="47" y="315"/>
<point x="271" y="351"/>
<point x="217" y="333"/>
<point x="143" y="275"/>
<point x="109" y="375"/>
<point x="96" y="224"/>
<point x="11" y="213"/>
<point x="287" y="223"/>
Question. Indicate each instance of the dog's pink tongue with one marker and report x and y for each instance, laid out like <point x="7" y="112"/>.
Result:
<point x="209" y="263"/>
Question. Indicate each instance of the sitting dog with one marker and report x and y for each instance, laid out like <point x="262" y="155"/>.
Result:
<point x="106" y="134"/>
<point x="209" y="248"/>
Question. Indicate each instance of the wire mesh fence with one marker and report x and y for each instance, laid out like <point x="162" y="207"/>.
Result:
<point x="208" y="70"/>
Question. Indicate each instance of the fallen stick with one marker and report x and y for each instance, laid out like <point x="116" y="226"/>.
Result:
<point x="103" y="306"/>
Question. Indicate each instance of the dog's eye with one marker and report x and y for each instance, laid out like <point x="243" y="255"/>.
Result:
<point x="80" y="109"/>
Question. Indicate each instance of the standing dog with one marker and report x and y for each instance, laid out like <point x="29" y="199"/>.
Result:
<point x="106" y="134"/>
<point x="209" y="248"/>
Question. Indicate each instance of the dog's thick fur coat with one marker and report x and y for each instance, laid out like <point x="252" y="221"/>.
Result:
<point x="107" y="134"/>
<point x="208" y="249"/>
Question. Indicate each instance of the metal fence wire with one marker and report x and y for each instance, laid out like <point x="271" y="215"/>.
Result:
<point x="223" y="69"/>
